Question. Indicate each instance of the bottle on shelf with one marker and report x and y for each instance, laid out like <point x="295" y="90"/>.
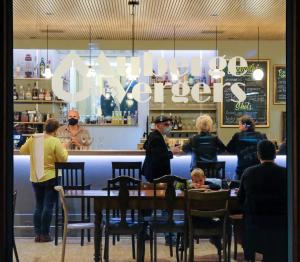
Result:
<point x="42" y="68"/>
<point x="41" y="94"/>
<point x="179" y="123"/>
<point x="203" y="77"/>
<point x="15" y="93"/>
<point x="125" y="117"/>
<point x="35" y="91"/>
<point x="39" y="116"/>
<point x="35" y="68"/>
<point x="175" y="126"/>
<point x="153" y="78"/>
<point x="166" y="78"/>
<point x="191" y="80"/>
<point x="28" y="94"/>
<point x="129" y="119"/>
<point x="136" y="117"/>
<point x="28" y="66"/>
<point x="48" y="95"/>
<point x="21" y="93"/>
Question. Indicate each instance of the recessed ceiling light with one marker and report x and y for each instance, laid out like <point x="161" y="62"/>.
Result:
<point x="214" y="14"/>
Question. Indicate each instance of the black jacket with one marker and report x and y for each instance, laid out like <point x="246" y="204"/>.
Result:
<point x="244" y="144"/>
<point x="157" y="160"/>
<point x="263" y="194"/>
<point x="203" y="147"/>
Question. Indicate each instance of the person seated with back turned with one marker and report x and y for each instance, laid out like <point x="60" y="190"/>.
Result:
<point x="198" y="181"/>
<point x="79" y="136"/>
<point x="244" y="144"/>
<point x="203" y="146"/>
<point x="263" y="195"/>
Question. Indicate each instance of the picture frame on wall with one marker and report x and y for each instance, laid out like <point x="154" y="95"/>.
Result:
<point x="279" y="84"/>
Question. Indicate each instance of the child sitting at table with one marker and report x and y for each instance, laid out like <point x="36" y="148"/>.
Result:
<point x="198" y="181"/>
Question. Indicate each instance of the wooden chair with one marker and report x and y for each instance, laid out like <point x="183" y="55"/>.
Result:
<point x="69" y="226"/>
<point x="214" y="169"/>
<point x="130" y="169"/>
<point x="73" y="178"/>
<point x="236" y="220"/>
<point x="203" y="207"/>
<point x="14" y="242"/>
<point x="168" y="224"/>
<point x="123" y="225"/>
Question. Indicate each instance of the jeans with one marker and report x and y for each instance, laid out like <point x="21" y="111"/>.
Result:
<point x="45" y="196"/>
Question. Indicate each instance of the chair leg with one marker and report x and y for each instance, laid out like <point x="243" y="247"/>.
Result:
<point x="151" y="245"/>
<point x="56" y="223"/>
<point x="82" y="237"/>
<point x="177" y="246"/>
<point x="234" y="243"/>
<point x="133" y="246"/>
<point x="191" y="250"/>
<point x="225" y="249"/>
<point x="15" y="250"/>
<point x="89" y="235"/>
<point x="155" y="246"/>
<point x="106" y="248"/>
<point x="185" y="244"/>
<point x="171" y="244"/>
<point x="229" y="245"/>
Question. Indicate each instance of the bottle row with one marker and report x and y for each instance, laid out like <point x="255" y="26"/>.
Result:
<point x="176" y="123"/>
<point x="190" y="79"/>
<point x="30" y="93"/>
<point x="30" y="68"/>
<point x="32" y="116"/>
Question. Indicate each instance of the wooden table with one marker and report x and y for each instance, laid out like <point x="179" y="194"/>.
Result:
<point x="145" y="201"/>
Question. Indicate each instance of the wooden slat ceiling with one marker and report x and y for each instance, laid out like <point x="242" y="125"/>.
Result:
<point x="155" y="19"/>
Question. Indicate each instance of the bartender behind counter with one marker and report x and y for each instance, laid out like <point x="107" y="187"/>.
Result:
<point x="77" y="137"/>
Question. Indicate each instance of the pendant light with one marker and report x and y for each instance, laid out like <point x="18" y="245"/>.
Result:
<point x="258" y="73"/>
<point x="132" y="3"/>
<point x="48" y="73"/>
<point x="91" y="72"/>
<point x="174" y="77"/>
<point x="216" y="73"/>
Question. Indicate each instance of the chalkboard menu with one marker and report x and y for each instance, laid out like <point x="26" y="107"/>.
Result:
<point x="256" y="104"/>
<point x="279" y="84"/>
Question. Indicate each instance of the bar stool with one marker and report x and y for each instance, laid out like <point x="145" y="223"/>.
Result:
<point x="14" y="242"/>
<point x="73" y="178"/>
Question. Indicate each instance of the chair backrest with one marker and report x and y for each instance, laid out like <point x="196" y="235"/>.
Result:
<point x="72" y="174"/>
<point x="61" y="193"/>
<point x="123" y="184"/>
<point x="170" y="192"/>
<point x="214" y="169"/>
<point x="131" y="169"/>
<point x="211" y="204"/>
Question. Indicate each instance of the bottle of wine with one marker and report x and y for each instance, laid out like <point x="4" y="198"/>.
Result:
<point x="41" y="94"/>
<point x="15" y="93"/>
<point x="175" y="126"/>
<point x="125" y="118"/>
<point x="129" y="120"/>
<point x="28" y="94"/>
<point x="179" y="123"/>
<point x="42" y="68"/>
<point x="21" y="93"/>
<point x="48" y="95"/>
<point x="35" y="91"/>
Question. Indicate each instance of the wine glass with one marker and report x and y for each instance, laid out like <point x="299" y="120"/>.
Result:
<point x="228" y="181"/>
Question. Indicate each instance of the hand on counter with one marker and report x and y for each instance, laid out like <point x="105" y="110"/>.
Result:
<point x="75" y="141"/>
<point x="175" y="149"/>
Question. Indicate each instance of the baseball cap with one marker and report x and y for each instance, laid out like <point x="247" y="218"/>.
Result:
<point x="161" y="119"/>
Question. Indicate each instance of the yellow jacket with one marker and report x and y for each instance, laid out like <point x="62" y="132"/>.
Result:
<point x="53" y="152"/>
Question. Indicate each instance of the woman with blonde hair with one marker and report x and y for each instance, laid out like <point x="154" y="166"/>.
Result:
<point x="204" y="146"/>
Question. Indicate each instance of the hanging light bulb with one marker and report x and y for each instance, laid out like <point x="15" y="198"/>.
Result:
<point x="47" y="74"/>
<point x="91" y="72"/>
<point x="258" y="73"/>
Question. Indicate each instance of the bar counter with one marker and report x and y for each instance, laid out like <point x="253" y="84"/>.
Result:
<point x="97" y="171"/>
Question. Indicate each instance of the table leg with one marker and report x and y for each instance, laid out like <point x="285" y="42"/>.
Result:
<point x="98" y="237"/>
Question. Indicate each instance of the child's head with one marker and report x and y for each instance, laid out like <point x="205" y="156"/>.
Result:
<point x="198" y="176"/>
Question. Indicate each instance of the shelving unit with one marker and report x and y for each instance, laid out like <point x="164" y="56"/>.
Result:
<point x="39" y="102"/>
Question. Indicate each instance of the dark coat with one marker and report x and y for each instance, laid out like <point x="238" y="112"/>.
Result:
<point x="203" y="147"/>
<point x="157" y="160"/>
<point x="244" y="144"/>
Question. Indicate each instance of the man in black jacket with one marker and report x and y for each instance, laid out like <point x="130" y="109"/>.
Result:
<point x="244" y="144"/>
<point x="263" y="195"/>
<point x="158" y="156"/>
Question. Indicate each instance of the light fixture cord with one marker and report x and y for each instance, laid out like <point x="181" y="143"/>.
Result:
<point x="47" y="45"/>
<point x="258" y="44"/>
<point x="216" y="40"/>
<point x="174" y="37"/>
<point x="133" y="29"/>
<point x="90" y="46"/>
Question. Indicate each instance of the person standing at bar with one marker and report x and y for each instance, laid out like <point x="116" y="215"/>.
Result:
<point x="203" y="146"/>
<point x="78" y="136"/>
<point x="158" y="156"/>
<point x="45" y="195"/>
<point x="244" y="145"/>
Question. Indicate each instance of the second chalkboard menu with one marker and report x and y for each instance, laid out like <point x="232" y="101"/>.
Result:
<point x="279" y="84"/>
<point x="256" y="104"/>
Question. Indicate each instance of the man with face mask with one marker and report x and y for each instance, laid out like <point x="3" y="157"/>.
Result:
<point x="79" y="137"/>
<point x="158" y="156"/>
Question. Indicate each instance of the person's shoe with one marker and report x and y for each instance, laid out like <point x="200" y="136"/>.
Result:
<point x="45" y="238"/>
<point x="37" y="238"/>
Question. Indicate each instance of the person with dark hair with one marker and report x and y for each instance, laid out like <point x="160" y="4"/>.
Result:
<point x="282" y="148"/>
<point x="244" y="144"/>
<point x="43" y="184"/>
<point x="263" y="195"/>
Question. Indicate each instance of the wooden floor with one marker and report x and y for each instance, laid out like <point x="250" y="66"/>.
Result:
<point x="47" y="252"/>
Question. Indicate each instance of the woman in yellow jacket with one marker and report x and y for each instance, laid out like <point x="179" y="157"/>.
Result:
<point x="45" y="195"/>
